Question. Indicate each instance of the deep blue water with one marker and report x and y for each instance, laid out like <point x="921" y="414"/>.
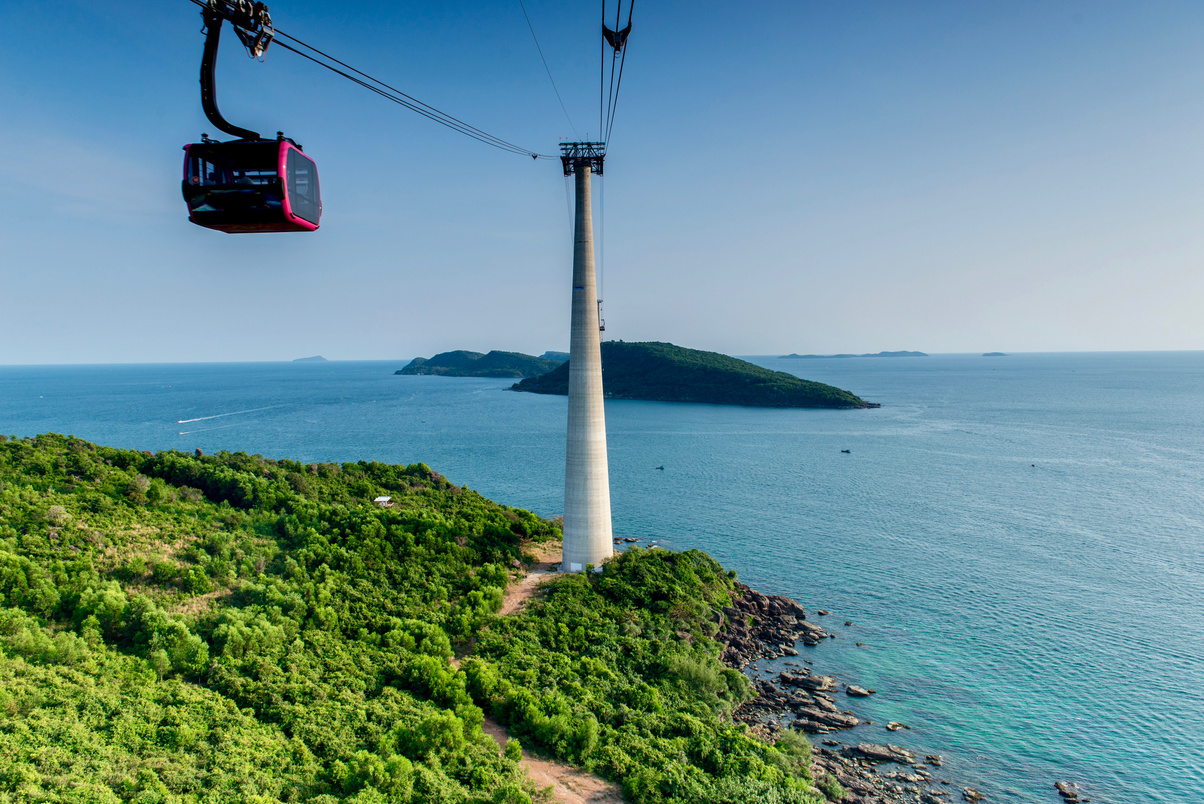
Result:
<point x="1018" y="541"/>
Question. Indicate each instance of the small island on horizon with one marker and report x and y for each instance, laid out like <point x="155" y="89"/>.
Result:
<point x="462" y="363"/>
<point x="663" y="372"/>
<point x="314" y="359"/>
<point x="830" y="357"/>
<point x="995" y="354"/>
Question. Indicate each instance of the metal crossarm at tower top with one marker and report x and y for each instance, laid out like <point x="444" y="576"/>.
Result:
<point x="578" y="154"/>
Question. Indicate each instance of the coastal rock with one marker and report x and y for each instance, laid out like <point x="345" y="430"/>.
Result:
<point x="808" y="681"/>
<point x="881" y="753"/>
<point x="972" y="795"/>
<point x="1069" y="791"/>
<point x="836" y="720"/>
<point x="857" y="692"/>
<point x="756" y="626"/>
<point x="811" y="633"/>
<point x="895" y="725"/>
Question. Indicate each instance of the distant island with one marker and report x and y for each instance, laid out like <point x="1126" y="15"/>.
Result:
<point x="314" y="359"/>
<point x="875" y="354"/>
<point x="461" y="363"/>
<point x="662" y="372"/>
<point x="994" y="354"/>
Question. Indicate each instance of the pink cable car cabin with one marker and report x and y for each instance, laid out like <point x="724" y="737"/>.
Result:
<point x="251" y="186"/>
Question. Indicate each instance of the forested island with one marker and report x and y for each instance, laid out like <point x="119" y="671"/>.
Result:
<point x="461" y="363"/>
<point x="230" y="628"/>
<point x="663" y="372"/>
<point x="872" y="354"/>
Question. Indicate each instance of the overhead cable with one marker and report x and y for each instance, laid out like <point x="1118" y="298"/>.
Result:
<point x="397" y="96"/>
<point x="548" y="69"/>
<point x="618" y="41"/>
<point x="601" y="73"/>
<point x="618" y="85"/>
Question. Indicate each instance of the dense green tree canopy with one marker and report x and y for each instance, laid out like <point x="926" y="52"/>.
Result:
<point x="474" y="364"/>
<point x="186" y="628"/>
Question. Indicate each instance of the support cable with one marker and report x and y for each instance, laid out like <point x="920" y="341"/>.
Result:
<point x="397" y="96"/>
<point x="548" y="69"/>
<point x="609" y="97"/>
<point x="435" y="115"/>
<point x="601" y="73"/>
<point x="618" y="41"/>
<point x="610" y="126"/>
<point x="568" y="205"/>
<point x="601" y="239"/>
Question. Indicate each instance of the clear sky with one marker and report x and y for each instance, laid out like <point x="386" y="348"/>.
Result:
<point x="783" y="177"/>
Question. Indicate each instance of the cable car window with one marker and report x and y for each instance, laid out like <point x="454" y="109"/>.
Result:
<point x="254" y="176"/>
<point x="303" y="186"/>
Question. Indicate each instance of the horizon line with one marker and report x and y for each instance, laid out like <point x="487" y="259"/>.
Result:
<point x="745" y="355"/>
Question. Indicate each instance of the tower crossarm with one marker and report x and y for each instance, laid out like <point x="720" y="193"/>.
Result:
<point x="579" y="154"/>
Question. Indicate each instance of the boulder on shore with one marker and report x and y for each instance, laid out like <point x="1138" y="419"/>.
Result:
<point x="881" y="753"/>
<point x="808" y="681"/>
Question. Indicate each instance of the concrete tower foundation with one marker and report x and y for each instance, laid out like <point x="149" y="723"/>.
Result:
<point x="587" y="531"/>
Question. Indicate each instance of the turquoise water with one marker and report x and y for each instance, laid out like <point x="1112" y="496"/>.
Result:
<point x="1018" y="541"/>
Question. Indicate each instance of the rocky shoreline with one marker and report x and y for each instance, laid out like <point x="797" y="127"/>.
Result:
<point x="759" y="626"/>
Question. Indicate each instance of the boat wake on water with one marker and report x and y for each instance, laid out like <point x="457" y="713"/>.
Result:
<point x="220" y="415"/>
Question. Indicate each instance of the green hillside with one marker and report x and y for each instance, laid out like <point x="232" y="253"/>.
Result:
<point x="474" y="364"/>
<point x="230" y="628"/>
<point x="663" y="372"/>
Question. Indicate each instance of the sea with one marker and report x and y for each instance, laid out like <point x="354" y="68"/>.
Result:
<point x="1011" y="549"/>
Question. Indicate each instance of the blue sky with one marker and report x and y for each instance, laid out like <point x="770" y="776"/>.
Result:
<point x="783" y="176"/>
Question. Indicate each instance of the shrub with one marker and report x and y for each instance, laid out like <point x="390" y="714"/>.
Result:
<point x="831" y="788"/>
<point x="136" y="488"/>
<point x="57" y="515"/>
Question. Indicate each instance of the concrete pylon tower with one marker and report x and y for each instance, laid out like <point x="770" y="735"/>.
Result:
<point x="587" y="531"/>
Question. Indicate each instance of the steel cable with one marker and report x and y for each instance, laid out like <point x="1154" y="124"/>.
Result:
<point x="548" y="69"/>
<point x="397" y="96"/>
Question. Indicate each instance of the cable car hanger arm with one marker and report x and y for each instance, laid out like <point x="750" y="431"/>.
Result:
<point x="254" y="27"/>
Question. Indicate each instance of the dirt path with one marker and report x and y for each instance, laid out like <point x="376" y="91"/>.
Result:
<point x="569" y="785"/>
<point x="547" y="555"/>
